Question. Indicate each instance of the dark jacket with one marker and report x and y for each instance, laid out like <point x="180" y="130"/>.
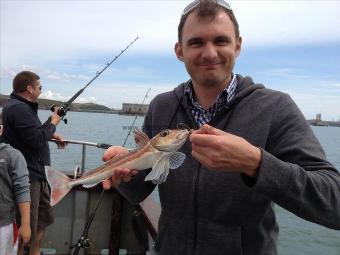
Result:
<point x="24" y="131"/>
<point x="210" y="212"/>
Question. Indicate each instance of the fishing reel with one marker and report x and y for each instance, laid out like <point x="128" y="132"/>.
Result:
<point x="82" y="243"/>
<point x="62" y="110"/>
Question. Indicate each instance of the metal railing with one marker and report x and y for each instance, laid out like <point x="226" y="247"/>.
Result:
<point x="83" y="155"/>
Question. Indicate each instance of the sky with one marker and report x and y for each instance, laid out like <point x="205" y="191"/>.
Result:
<point x="290" y="46"/>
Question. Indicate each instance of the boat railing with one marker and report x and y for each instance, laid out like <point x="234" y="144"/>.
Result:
<point x="83" y="155"/>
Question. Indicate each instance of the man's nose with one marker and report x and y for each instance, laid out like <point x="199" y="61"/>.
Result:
<point x="209" y="51"/>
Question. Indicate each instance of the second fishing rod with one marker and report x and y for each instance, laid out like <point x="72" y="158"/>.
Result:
<point x="63" y="109"/>
<point x="83" y="241"/>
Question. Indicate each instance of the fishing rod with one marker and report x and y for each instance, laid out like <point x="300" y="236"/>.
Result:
<point x="62" y="110"/>
<point x="83" y="241"/>
<point x="98" y="145"/>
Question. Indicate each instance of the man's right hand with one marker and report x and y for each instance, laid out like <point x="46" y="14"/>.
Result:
<point x="120" y="174"/>
<point x="55" y="118"/>
<point x="25" y="233"/>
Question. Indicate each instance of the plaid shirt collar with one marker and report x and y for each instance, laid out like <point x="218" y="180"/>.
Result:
<point x="203" y="116"/>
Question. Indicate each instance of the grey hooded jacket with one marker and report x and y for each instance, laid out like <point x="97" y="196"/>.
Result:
<point x="209" y="212"/>
<point x="14" y="184"/>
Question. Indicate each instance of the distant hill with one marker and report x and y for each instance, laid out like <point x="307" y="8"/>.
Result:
<point x="46" y="104"/>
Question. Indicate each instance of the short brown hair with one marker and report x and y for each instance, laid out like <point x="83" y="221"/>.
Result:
<point x="208" y="9"/>
<point x="23" y="79"/>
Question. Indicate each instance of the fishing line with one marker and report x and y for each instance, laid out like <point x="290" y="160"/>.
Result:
<point x="133" y="122"/>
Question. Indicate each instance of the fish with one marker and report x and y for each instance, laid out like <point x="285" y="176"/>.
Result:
<point x="159" y="153"/>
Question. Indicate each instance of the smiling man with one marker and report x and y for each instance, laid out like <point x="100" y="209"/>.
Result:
<point x="253" y="148"/>
<point x="208" y="50"/>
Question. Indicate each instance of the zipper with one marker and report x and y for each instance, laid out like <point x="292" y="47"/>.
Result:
<point x="191" y="120"/>
<point x="196" y="206"/>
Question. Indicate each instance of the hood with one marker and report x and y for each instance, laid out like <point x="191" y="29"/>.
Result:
<point x="4" y="145"/>
<point x="245" y="87"/>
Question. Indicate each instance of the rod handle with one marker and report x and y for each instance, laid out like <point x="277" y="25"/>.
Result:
<point x="104" y="145"/>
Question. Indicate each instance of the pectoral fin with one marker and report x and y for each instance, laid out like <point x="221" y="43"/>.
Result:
<point x="176" y="160"/>
<point x="160" y="170"/>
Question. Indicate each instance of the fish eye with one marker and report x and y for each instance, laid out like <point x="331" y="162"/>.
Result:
<point x="164" y="133"/>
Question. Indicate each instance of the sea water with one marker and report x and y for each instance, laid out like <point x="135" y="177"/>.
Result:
<point x="296" y="236"/>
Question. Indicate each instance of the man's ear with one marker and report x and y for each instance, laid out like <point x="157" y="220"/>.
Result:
<point x="178" y="51"/>
<point x="238" y="46"/>
<point x="29" y="88"/>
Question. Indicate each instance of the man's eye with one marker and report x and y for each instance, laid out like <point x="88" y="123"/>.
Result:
<point x="222" y="42"/>
<point x="195" y="43"/>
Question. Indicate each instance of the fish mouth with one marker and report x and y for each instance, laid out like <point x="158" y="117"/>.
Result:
<point x="186" y="131"/>
<point x="184" y="134"/>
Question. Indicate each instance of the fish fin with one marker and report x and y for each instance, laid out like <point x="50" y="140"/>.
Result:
<point x="90" y="185"/>
<point x="176" y="160"/>
<point x="160" y="170"/>
<point x="59" y="184"/>
<point x="141" y="139"/>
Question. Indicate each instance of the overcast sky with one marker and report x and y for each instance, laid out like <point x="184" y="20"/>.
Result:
<point x="292" y="46"/>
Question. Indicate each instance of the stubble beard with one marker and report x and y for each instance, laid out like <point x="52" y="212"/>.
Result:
<point x="211" y="82"/>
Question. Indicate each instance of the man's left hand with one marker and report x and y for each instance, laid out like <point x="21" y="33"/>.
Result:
<point x="59" y="141"/>
<point x="223" y="151"/>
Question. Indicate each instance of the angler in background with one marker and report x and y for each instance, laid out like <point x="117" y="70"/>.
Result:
<point x="24" y="131"/>
<point x="253" y="148"/>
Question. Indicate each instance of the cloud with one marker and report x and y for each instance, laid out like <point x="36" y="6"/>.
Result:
<point x="113" y="94"/>
<point x="82" y="100"/>
<point x="53" y="77"/>
<point x="76" y="28"/>
<point x="286" y="73"/>
<point x="52" y="95"/>
<point x="57" y="96"/>
<point x="288" y="22"/>
<point x="66" y="45"/>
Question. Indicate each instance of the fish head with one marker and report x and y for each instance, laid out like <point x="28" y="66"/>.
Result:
<point x="170" y="139"/>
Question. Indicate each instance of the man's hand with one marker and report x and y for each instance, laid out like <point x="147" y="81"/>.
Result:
<point x="59" y="141"/>
<point x="24" y="233"/>
<point x="24" y="229"/>
<point x="223" y="151"/>
<point x="120" y="174"/>
<point x="55" y="118"/>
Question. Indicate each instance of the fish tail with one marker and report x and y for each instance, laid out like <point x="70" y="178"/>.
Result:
<point x="59" y="184"/>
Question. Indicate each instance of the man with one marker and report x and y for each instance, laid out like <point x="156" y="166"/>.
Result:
<point x="252" y="148"/>
<point x="24" y="131"/>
